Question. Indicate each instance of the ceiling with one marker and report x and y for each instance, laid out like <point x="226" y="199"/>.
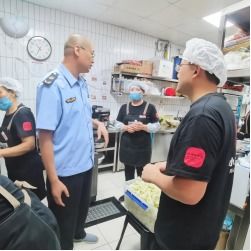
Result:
<point x="174" y="20"/>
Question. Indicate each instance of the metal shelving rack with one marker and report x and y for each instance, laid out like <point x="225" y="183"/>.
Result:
<point x="113" y="148"/>
<point x="121" y="76"/>
<point x="145" y="76"/>
<point x="239" y="73"/>
<point x="239" y="15"/>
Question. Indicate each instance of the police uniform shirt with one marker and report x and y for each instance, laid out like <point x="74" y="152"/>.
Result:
<point x="202" y="148"/>
<point x="63" y="107"/>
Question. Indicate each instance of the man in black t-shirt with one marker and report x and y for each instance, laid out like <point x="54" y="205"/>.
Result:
<point x="196" y="180"/>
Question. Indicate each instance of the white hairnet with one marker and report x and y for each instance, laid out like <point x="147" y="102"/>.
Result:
<point x="208" y="56"/>
<point x="12" y="84"/>
<point x="139" y="84"/>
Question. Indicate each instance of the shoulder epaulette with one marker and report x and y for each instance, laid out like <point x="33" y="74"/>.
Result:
<point x="51" y="78"/>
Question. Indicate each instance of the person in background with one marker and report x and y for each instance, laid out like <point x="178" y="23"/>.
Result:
<point x="244" y="131"/>
<point x="196" y="181"/>
<point x="138" y="120"/>
<point x="65" y="126"/>
<point x="18" y="138"/>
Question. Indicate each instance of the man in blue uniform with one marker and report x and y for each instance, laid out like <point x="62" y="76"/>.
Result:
<point x="196" y="180"/>
<point x="65" y="126"/>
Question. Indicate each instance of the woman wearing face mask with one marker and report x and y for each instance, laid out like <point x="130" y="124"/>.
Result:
<point x="18" y="138"/>
<point x="137" y="120"/>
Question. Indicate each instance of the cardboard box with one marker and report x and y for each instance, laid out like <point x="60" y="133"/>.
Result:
<point x="130" y="68"/>
<point x="162" y="68"/>
<point x="146" y="68"/>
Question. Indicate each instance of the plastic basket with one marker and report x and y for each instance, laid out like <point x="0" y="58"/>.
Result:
<point x="145" y="213"/>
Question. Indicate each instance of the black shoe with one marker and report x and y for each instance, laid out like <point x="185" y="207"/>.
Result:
<point x="122" y="198"/>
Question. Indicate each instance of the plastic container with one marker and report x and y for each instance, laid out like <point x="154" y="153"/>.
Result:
<point x="169" y="91"/>
<point x="176" y="61"/>
<point x="144" y="212"/>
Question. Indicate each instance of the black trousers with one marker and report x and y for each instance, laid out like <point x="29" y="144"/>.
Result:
<point x="29" y="170"/>
<point x="71" y="218"/>
<point x="130" y="171"/>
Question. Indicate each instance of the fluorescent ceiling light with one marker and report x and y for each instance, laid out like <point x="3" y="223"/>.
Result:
<point x="215" y="18"/>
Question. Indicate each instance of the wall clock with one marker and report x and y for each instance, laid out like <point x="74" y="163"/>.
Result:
<point x="39" y="48"/>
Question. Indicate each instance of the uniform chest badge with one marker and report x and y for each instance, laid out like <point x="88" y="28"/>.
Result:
<point x="142" y="116"/>
<point x="71" y="100"/>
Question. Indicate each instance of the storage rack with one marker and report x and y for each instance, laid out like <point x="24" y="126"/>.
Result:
<point x="112" y="147"/>
<point x="239" y="15"/>
<point x="118" y="78"/>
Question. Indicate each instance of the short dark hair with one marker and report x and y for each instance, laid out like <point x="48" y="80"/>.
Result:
<point x="212" y="78"/>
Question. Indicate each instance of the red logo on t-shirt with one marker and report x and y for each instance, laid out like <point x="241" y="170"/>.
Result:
<point x="194" y="157"/>
<point x="27" y="126"/>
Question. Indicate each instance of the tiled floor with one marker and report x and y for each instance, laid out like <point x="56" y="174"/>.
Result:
<point x="111" y="184"/>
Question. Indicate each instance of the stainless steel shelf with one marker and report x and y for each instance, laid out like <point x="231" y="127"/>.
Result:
<point x="112" y="147"/>
<point x="166" y="97"/>
<point x="230" y="92"/>
<point x="104" y="149"/>
<point x="145" y="76"/>
<point x="105" y="165"/>
<point x="238" y="73"/>
<point x="149" y="95"/>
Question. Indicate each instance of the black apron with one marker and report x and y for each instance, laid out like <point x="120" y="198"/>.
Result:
<point x="135" y="148"/>
<point x="28" y="167"/>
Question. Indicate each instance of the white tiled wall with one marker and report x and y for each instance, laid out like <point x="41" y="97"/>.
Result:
<point x="112" y="44"/>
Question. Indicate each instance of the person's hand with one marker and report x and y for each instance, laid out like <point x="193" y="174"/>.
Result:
<point x="57" y="189"/>
<point x="151" y="171"/>
<point x="129" y="128"/>
<point x="139" y="126"/>
<point x="161" y="166"/>
<point x="102" y="131"/>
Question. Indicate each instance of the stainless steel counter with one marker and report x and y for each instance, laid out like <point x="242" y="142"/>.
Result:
<point x="171" y="130"/>
<point x="161" y="144"/>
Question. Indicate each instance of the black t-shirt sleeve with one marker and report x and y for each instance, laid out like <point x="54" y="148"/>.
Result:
<point x="122" y="113"/>
<point x="194" y="153"/>
<point x="24" y="123"/>
<point x="153" y="114"/>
